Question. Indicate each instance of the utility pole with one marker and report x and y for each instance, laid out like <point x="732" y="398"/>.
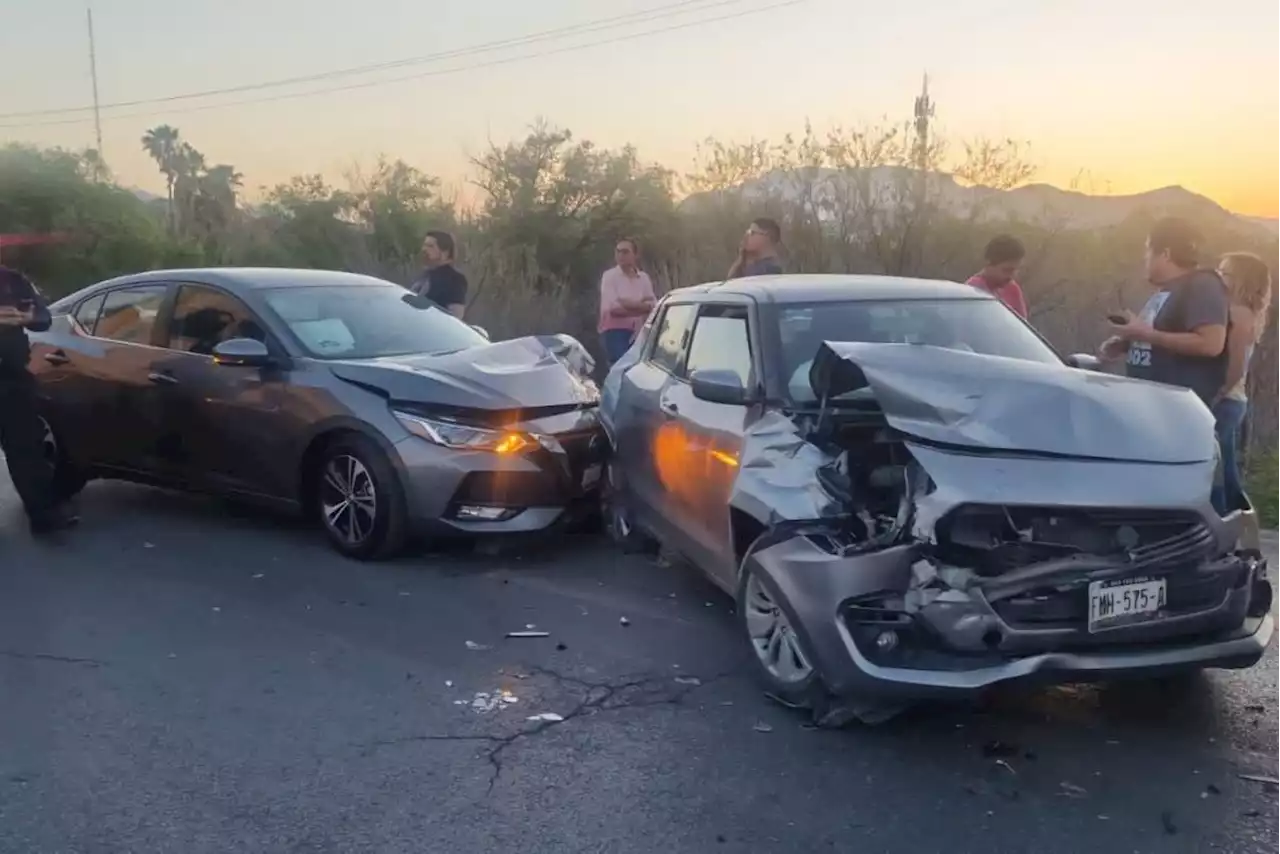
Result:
<point x="924" y="112"/>
<point x="93" y="73"/>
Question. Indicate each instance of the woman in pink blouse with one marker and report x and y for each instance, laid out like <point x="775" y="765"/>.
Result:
<point x="626" y="298"/>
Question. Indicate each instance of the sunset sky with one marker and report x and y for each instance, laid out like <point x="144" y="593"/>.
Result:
<point x="1139" y="93"/>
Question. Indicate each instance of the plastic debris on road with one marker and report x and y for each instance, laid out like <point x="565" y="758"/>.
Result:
<point x="623" y="621"/>
<point x="485" y="702"/>
<point x="476" y="647"/>
<point x="548" y="717"/>
<point x="761" y="726"/>
<point x="528" y="634"/>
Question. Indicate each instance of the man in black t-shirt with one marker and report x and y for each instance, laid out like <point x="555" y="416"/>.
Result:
<point x="1180" y="335"/>
<point x="440" y="281"/>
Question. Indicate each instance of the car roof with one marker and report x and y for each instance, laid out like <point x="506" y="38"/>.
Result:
<point x="237" y="279"/>
<point x="805" y="288"/>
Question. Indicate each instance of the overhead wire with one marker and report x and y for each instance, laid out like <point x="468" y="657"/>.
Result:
<point x="658" y="13"/>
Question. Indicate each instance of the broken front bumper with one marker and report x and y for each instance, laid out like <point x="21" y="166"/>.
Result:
<point x="843" y="607"/>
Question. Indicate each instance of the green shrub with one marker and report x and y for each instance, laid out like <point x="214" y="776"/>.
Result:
<point x="1260" y="482"/>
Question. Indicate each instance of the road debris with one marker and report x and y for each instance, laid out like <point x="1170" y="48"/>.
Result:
<point x="560" y="647"/>
<point x="1260" y="778"/>
<point x="485" y="702"/>
<point x="996" y="749"/>
<point x="1006" y="766"/>
<point x="688" y="680"/>
<point x="1210" y="789"/>
<point x="761" y="726"/>
<point x="477" y="647"/>
<point x="623" y="621"/>
<point x="448" y="683"/>
<point x="530" y="626"/>
<point x="782" y="702"/>
<point x="548" y="717"/>
<point x="148" y="545"/>
<point x="258" y="575"/>
<point x="1071" y="790"/>
<point x="528" y="634"/>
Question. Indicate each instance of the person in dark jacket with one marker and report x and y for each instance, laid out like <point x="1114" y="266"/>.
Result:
<point x="23" y="307"/>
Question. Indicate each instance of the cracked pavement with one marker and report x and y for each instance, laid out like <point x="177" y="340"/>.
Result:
<point x="181" y="677"/>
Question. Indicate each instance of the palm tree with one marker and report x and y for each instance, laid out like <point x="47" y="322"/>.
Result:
<point x="163" y="145"/>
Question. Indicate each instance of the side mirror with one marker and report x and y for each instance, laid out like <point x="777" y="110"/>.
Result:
<point x="1085" y="362"/>
<point x="716" y="386"/>
<point x="242" y="353"/>
<point x="483" y="332"/>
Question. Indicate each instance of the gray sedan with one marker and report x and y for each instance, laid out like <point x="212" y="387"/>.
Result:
<point x="911" y="494"/>
<point x="343" y="396"/>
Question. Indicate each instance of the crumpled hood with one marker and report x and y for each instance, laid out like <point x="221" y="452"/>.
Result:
<point x="994" y="403"/>
<point x="525" y="373"/>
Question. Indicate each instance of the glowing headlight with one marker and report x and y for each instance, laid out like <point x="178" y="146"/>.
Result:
<point x="463" y="437"/>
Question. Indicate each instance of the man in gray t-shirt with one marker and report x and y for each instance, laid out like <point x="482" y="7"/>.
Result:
<point x="1180" y="335"/>
<point x="758" y="255"/>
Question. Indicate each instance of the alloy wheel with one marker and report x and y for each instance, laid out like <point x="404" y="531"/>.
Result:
<point x="348" y="499"/>
<point x="772" y="637"/>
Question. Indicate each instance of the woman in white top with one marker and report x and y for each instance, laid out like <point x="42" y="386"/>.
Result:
<point x="1249" y="284"/>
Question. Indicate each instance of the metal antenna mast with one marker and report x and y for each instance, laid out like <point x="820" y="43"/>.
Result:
<point x="93" y="73"/>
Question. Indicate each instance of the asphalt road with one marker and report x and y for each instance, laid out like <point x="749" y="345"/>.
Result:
<point x="175" y="677"/>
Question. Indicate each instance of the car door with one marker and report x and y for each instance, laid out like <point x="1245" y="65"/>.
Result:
<point x="223" y="427"/>
<point x="92" y="374"/>
<point x="711" y="433"/>
<point x="645" y="450"/>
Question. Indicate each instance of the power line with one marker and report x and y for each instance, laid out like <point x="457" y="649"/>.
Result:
<point x="425" y="74"/>
<point x="669" y="10"/>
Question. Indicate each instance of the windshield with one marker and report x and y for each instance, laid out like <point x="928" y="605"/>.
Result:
<point x="976" y="326"/>
<point x="368" y="321"/>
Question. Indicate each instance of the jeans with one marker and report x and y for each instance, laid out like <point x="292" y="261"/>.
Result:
<point x="1228" y="414"/>
<point x="22" y="438"/>
<point x="616" y="342"/>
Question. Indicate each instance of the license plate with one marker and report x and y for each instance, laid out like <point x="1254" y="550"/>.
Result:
<point x="591" y="476"/>
<point x="1114" y="603"/>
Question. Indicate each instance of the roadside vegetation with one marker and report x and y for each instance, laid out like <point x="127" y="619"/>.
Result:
<point x="873" y="199"/>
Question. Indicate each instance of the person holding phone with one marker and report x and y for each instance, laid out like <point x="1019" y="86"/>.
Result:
<point x="1180" y="336"/>
<point x="22" y="307"/>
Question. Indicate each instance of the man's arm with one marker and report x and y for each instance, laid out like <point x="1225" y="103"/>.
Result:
<point x="454" y="298"/>
<point x="1018" y="300"/>
<point x="1204" y="315"/>
<point x="35" y="316"/>
<point x="1238" y="341"/>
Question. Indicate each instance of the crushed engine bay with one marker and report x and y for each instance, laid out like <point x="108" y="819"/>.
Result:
<point x="1000" y="543"/>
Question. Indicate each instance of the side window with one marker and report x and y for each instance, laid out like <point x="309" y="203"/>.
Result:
<point x="204" y="317"/>
<point x="129" y="314"/>
<point x="720" y="342"/>
<point x="86" y="314"/>
<point x="672" y="334"/>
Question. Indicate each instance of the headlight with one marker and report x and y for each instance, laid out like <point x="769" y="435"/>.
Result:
<point x="463" y="437"/>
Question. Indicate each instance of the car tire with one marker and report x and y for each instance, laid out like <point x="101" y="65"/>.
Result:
<point x="782" y="664"/>
<point x="358" y="499"/>
<point x="68" y="480"/>
<point x="619" y="520"/>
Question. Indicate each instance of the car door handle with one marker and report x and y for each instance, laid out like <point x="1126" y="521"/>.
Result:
<point x="669" y="408"/>
<point x="162" y="378"/>
<point x="57" y="357"/>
